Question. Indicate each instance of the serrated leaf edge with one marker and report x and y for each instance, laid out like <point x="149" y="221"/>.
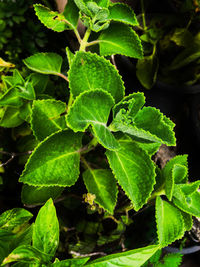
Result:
<point x="153" y="174"/>
<point x="98" y="57"/>
<point x="34" y="151"/>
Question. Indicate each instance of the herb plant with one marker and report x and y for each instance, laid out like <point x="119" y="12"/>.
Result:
<point x="96" y="116"/>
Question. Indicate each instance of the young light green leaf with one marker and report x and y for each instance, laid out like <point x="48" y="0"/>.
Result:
<point x="27" y="254"/>
<point x="71" y="14"/>
<point x="172" y="260"/>
<point x="135" y="257"/>
<point x="148" y="124"/>
<point x="90" y="72"/>
<point x="12" y="81"/>
<point x="132" y="103"/>
<point x="13" y="218"/>
<point x="46" y="229"/>
<point x="34" y="195"/>
<point x="122" y="13"/>
<point x="71" y="262"/>
<point x="70" y="56"/>
<point x="52" y="20"/>
<point x="11" y="98"/>
<point x="187" y="199"/>
<point x="134" y="171"/>
<point x="46" y="119"/>
<point x="46" y="63"/>
<point x="55" y="161"/>
<point x="10" y="117"/>
<point x="81" y="4"/>
<point x="179" y="173"/>
<point x="103" y="185"/>
<point x="93" y="108"/>
<point x="170" y="223"/>
<point x="120" y="39"/>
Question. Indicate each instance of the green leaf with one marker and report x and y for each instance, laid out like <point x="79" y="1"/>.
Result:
<point x="46" y="229"/>
<point x="134" y="171"/>
<point x="71" y="262"/>
<point x="132" y="103"/>
<point x="38" y="81"/>
<point x="148" y="124"/>
<point x="93" y="108"/>
<point x="170" y="223"/>
<point x="120" y="39"/>
<point x="71" y="14"/>
<point x="179" y="173"/>
<point x="11" y="98"/>
<point x="6" y="237"/>
<point x="122" y="13"/>
<point x="14" y="80"/>
<point x="135" y="258"/>
<point x="13" y="218"/>
<point x="46" y="63"/>
<point x="10" y="117"/>
<point x="188" y="222"/>
<point x="46" y="119"/>
<point x="55" y="161"/>
<point x="172" y="260"/>
<point x="188" y="203"/>
<point x="103" y="185"/>
<point x="70" y="56"/>
<point x="24" y="237"/>
<point x="90" y="72"/>
<point x="34" y="195"/>
<point x="27" y="91"/>
<point x="146" y="70"/>
<point x="52" y="20"/>
<point x="81" y="4"/>
<point x="27" y="254"/>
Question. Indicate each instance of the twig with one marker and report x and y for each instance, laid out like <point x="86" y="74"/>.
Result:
<point x="87" y="255"/>
<point x="12" y="156"/>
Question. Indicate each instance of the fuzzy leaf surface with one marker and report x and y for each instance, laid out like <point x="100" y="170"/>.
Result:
<point x="93" y="108"/>
<point x="46" y="63"/>
<point x="34" y="195"/>
<point x="15" y="217"/>
<point x="170" y="223"/>
<point x="103" y="185"/>
<point x="135" y="257"/>
<point x="134" y="171"/>
<point x="51" y="19"/>
<point x="46" y="229"/>
<point x="90" y="71"/>
<point x="46" y="119"/>
<point x="55" y="161"/>
<point x="122" y="13"/>
<point x="120" y="39"/>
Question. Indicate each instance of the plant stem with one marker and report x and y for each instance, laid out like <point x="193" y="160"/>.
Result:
<point x="70" y="101"/>
<point x="143" y="15"/>
<point x="87" y="166"/>
<point x="93" y="43"/>
<point x="84" y="42"/>
<point x="157" y="193"/>
<point x="92" y="144"/>
<point x="63" y="76"/>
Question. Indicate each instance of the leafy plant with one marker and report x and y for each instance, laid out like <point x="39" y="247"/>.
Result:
<point x="97" y="117"/>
